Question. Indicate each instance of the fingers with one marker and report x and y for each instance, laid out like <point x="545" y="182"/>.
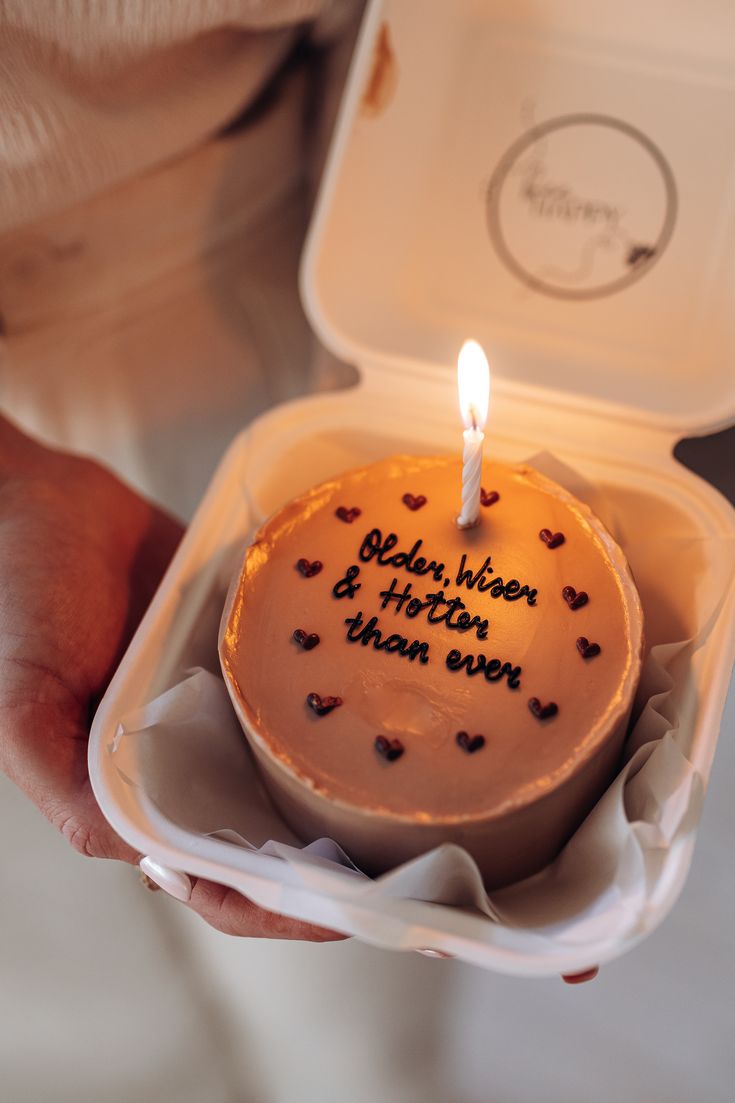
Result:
<point x="231" y="913"/>
<point x="581" y="978"/>
<point x="156" y="546"/>
<point x="14" y="443"/>
<point x="43" y="750"/>
<point x="88" y="832"/>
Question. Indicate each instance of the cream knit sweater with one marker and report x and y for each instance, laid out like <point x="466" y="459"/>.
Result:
<point x="148" y="268"/>
<point x="94" y="92"/>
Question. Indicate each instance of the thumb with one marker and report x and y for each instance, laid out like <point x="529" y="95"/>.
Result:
<point x="50" y="767"/>
<point x="87" y="831"/>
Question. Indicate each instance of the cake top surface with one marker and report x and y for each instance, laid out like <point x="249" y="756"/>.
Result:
<point x="392" y="661"/>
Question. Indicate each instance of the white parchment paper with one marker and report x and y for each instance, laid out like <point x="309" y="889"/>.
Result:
<point x="194" y="764"/>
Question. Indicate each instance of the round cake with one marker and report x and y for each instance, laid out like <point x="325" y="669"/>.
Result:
<point x="404" y="682"/>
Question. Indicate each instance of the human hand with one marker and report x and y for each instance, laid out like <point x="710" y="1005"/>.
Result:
<point x="81" y="555"/>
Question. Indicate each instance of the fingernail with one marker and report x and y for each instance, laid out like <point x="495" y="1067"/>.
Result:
<point x="171" y="881"/>
<point x="432" y="953"/>
<point x="580" y="978"/>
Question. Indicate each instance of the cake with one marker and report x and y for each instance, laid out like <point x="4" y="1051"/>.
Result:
<point x="403" y="682"/>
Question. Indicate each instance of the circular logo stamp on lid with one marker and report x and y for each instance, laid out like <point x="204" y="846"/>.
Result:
<point x="581" y="206"/>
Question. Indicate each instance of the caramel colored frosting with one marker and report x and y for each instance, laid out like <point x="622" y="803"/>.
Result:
<point x="531" y="630"/>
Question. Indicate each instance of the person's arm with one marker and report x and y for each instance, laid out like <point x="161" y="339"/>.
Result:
<point x="81" y="555"/>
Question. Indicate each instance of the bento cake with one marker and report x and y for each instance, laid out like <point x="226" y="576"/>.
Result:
<point x="404" y="682"/>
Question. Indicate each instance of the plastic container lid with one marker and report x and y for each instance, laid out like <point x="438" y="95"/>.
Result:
<point x="557" y="186"/>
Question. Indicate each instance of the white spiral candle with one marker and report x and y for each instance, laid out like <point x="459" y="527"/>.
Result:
<point x="473" y="378"/>
<point x="471" y="478"/>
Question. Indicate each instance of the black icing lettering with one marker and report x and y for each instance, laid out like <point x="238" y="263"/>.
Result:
<point x="370" y="545"/>
<point x="368" y="632"/>
<point x="346" y="587"/>
<point x="514" y="676"/>
<point x="420" y="649"/>
<point x="466" y="576"/>
<point x="440" y="609"/>
<point x="493" y="669"/>
<point x="374" y="546"/>
<point x="496" y="587"/>
<point x="434" y="601"/>
<point x="514" y="592"/>
<point x="391" y="594"/>
<point x="453" y="659"/>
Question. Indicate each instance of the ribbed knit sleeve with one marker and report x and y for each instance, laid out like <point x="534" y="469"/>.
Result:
<point x="93" y="92"/>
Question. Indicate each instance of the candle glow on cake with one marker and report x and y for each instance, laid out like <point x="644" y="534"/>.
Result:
<point x="405" y="682"/>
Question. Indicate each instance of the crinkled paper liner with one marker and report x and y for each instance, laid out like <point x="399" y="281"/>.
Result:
<point x="195" y="767"/>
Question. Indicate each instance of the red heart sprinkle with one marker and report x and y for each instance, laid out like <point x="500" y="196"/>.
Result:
<point x="551" y="539"/>
<point x="322" y="705"/>
<point x="488" y="497"/>
<point x="470" y="743"/>
<point x="347" y="515"/>
<point x="414" y="502"/>
<point x="390" y="749"/>
<point x="308" y="569"/>
<point x="308" y="640"/>
<point x="574" y="599"/>
<point x="542" y="712"/>
<point x="586" y="649"/>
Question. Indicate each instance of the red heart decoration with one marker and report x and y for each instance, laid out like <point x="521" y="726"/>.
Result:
<point x="322" y="705"/>
<point x="307" y="640"/>
<point x="347" y="515"/>
<point x="574" y="599"/>
<point x="470" y="743"/>
<point x="414" y="502"/>
<point x="586" y="649"/>
<point x="542" y="712"/>
<point x="308" y="569"/>
<point x="551" y="539"/>
<point x="390" y="749"/>
<point x="488" y="497"/>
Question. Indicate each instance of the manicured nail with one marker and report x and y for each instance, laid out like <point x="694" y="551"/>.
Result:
<point x="171" y="881"/>
<point x="432" y="953"/>
<point x="580" y="978"/>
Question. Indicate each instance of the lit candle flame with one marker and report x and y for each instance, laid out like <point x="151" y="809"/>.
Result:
<point x="473" y="380"/>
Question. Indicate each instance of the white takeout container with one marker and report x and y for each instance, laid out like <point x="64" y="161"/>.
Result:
<point x="494" y="183"/>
